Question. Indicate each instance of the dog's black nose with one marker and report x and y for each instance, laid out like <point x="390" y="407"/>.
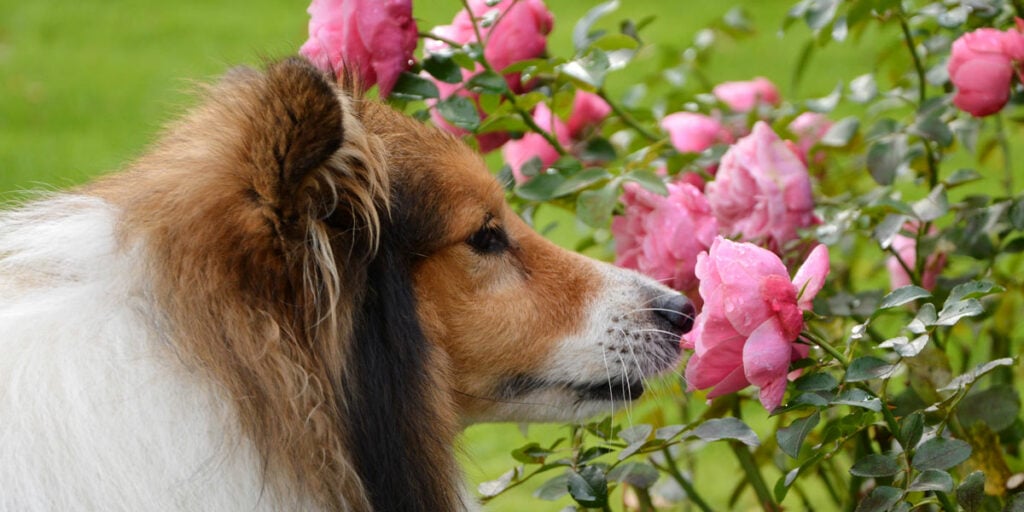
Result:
<point x="678" y="310"/>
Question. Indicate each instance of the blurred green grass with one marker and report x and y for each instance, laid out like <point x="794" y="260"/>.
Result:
<point x="85" y="86"/>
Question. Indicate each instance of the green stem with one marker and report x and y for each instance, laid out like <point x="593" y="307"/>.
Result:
<point x="827" y="348"/>
<point x="508" y="95"/>
<point x="749" y="466"/>
<point x="1019" y="7"/>
<point x="449" y="42"/>
<point x="627" y="118"/>
<point x="922" y="95"/>
<point x="676" y="475"/>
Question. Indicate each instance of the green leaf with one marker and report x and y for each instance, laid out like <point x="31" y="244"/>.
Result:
<point x="590" y="69"/>
<point x="996" y="407"/>
<point x="502" y="123"/>
<point x="968" y="378"/>
<point x="867" y="368"/>
<point x="911" y="429"/>
<point x="460" y="112"/>
<point x="668" y="432"/>
<point x="488" y="81"/>
<point x="821" y="13"/>
<point x="726" y="428"/>
<point x="971" y="492"/>
<point x="973" y="290"/>
<point x="863" y="88"/>
<point x="443" y="68"/>
<point x="581" y="32"/>
<point x="553" y="489"/>
<point x="816" y="382"/>
<point x="783" y="484"/>
<point x="649" y="181"/>
<point x="932" y="480"/>
<point x="580" y="181"/>
<point x="884" y="157"/>
<point x="541" y="187"/>
<point x="637" y="474"/>
<point x="932" y="207"/>
<point x="1017" y="214"/>
<point x="882" y="498"/>
<point x="875" y="465"/>
<point x="497" y="486"/>
<point x="940" y="453"/>
<point x="903" y="295"/>
<point x="924" y="319"/>
<point x="906" y="347"/>
<point x="887" y="230"/>
<point x="588" y="487"/>
<point x="952" y="312"/>
<point x="841" y="133"/>
<point x="858" y="398"/>
<point x="598" y="149"/>
<point x="594" y="207"/>
<point x="413" y="87"/>
<point x="636" y="433"/>
<point x="791" y="438"/>
<point x="828" y="103"/>
<point x="934" y="129"/>
<point x="614" y="42"/>
<point x="962" y="176"/>
<point x="531" y="453"/>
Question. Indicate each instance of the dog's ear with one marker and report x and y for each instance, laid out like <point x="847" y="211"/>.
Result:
<point x="313" y="163"/>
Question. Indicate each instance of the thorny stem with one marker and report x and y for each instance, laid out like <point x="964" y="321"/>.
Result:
<point x="922" y="95"/>
<point x="627" y="118"/>
<point x="508" y="95"/>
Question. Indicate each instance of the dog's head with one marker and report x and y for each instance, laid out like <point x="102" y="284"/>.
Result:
<point x="355" y="281"/>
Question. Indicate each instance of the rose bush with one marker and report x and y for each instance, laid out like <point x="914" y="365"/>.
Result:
<point x="870" y="393"/>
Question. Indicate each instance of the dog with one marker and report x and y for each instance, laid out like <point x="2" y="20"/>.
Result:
<point x="295" y="301"/>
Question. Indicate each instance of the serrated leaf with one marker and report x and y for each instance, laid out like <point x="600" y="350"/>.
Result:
<point x="588" y="486"/>
<point x="553" y="489"/>
<point x="637" y="474"/>
<point x="932" y="480"/>
<point x="581" y="32"/>
<point x="816" y="382"/>
<point x="594" y="207"/>
<point x="971" y="492"/>
<point x="911" y="430"/>
<point x="858" y="398"/>
<point x="940" y="453"/>
<point x="867" y="368"/>
<point x="875" y="465"/>
<point x="903" y="295"/>
<point x="541" y="187"/>
<point x="972" y="290"/>
<point x="580" y="181"/>
<point x="841" y="133"/>
<point x="881" y="499"/>
<point x="443" y="68"/>
<point x="488" y="81"/>
<point x="413" y="87"/>
<point x="953" y="312"/>
<point x="791" y="438"/>
<point x="649" y="181"/>
<point x="460" y="112"/>
<point x="726" y="428"/>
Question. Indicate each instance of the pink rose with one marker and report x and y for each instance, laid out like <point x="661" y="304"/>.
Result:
<point x="809" y="129"/>
<point x="693" y="133"/>
<point x="762" y="191"/>
<point x="745" y="96"/>
<point x="376" y="38"/>
<point x="906" y="247"/>
<point x="661" y="236"/>
<point x="588" y="111"/>
<point x="518" y="152"/>
<point x="981" y="68"/>
<point x="752" y="316"/>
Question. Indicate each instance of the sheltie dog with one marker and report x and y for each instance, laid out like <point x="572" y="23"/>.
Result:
<point x="295" y="301"/>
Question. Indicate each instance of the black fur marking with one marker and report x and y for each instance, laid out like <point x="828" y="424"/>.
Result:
<point x="393" y="438"/>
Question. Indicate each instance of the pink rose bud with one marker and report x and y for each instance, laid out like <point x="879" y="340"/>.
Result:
<point x="809" y="129"/>
<point x="906" y="247"/>
<point x="752" y="316"/>
<point x="762" y="191"/>
<point x="693" y="133"/>
<point x="375" y="38"/>
<point x="588" y="110"/>
<point x="981" y="68"/>
<point x="534" y="145"/>
<point x="746" y="96"/>
<point x="661" y="236"/>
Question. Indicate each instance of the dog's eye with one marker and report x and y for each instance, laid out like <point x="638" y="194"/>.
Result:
<point x="488" y="240"/>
